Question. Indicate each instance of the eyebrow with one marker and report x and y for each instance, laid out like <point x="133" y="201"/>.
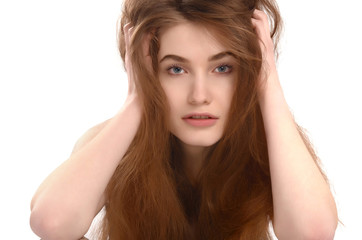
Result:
<point x="184" y="60"/>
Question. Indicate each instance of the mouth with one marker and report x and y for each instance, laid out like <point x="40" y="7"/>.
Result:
<point x="200" y="116"/>
<point x="200" y="119"/>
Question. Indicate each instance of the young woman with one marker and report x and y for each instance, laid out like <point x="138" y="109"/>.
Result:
<point x="204" y="147"/>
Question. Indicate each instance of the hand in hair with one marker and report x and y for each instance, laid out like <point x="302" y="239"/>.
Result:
<point x="128" y="33"/>
<point x="261" y="27"/>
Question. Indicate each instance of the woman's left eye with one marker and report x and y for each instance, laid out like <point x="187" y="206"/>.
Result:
<point x="223" y="69"/>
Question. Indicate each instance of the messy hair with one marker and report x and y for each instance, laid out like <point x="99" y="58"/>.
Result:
<point x="149" y="195"/>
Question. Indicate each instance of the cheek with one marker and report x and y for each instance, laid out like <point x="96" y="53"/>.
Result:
<point x="170" y="95"/>
<point x="174" y="91"/>
<point x="225" y="94"/>
<point x="231" y="90"/>
<point x="230" y="96"/>
<point x="174" y="99"/>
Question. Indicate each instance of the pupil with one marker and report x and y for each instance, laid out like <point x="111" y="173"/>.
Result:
<point x="176" y="70"/>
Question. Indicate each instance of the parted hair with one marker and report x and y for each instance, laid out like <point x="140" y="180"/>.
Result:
<point x="149" y="195"/>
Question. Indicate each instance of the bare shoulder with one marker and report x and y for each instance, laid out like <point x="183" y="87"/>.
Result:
<point x="89" y="135"/>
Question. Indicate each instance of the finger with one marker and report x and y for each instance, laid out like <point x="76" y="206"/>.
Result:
<point x="261" y="16"/>
<point x="130" y="32"/>
<point x="128" y="36"/>
<point x="126" y="28"/>
<point x="259" y="29"/>
<point x="147" y="38"/>
<point x="146" y="44"/>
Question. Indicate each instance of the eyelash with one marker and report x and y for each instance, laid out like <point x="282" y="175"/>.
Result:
<point x="174" y="66"/>
<point x="221" y="65"/>
<point x="226" y="65"/>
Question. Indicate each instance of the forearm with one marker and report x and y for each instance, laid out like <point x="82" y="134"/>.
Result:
<point x="71" y="196"/>
<point x="304" y="207"/>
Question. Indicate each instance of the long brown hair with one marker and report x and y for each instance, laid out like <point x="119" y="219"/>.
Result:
<point x="149" y="195"/>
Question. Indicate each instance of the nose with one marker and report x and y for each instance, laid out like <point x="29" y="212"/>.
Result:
<point x="199" y="93"/>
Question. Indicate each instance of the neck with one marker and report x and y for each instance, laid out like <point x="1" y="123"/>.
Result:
<point x="192" y="159"/>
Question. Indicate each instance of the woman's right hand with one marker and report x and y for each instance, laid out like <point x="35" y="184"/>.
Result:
<point x="128" y="33"/>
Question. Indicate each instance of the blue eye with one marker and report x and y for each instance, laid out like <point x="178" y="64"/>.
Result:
<point x="223" y="69"/>
<point x="176" y="70"/>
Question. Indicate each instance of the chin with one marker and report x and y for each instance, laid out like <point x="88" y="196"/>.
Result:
<point x="198" y="141"/>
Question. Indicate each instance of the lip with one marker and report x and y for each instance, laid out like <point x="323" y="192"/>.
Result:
<point x="201" y="122"/>
<point x="199" y="114"/>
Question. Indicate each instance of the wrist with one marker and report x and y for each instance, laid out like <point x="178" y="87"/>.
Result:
<point x="270" y="89"/>
<point x="131" y="108"/>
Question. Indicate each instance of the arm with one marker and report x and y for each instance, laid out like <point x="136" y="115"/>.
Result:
<point x="67" y="201"/>
<point x="304" y="207"/>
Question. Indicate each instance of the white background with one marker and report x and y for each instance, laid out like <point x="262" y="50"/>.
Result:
<point x="60" y="73"/>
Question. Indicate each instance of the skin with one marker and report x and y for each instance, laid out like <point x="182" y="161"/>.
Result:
<point x="304" y="207"/>
<point x="194" y="83"/>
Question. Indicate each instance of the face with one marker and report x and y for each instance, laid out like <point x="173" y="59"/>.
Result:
<point x="198" y="75"/>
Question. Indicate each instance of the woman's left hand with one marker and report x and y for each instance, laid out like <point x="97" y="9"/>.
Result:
<point x="269" y="71"/>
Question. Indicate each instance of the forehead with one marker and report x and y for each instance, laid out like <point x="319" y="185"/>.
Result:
<point x="189" y="40"/>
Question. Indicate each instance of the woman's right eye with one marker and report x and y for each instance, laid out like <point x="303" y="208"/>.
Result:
<point x="175" y="70"/>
